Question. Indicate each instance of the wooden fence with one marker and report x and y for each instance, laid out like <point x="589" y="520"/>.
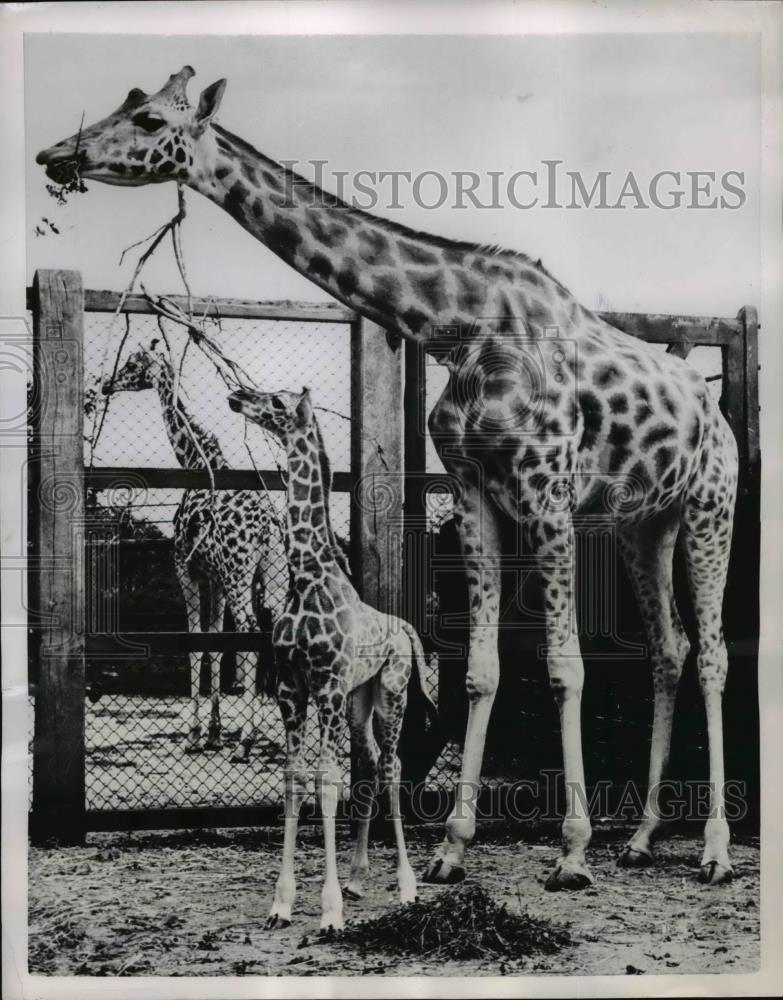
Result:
<point x="388" y="479"/>
<point x="58" y="480"/>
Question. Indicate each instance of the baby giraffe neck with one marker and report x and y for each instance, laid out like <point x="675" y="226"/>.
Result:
<point x="310" y="542"/>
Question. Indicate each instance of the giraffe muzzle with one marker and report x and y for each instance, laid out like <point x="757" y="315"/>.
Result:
<point x="237" y="399"/>
<point x="62" y="166"/>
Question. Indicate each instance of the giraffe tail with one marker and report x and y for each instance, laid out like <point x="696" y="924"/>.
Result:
<point x="415" y="686"/>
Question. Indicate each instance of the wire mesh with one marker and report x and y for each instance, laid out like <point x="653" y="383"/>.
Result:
<point x="139" y="706"/>
<point x="277" y="354"/>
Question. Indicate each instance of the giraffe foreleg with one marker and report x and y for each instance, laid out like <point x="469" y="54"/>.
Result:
<point x="330" y="697"/>
<point x="555" y="555"/>
<point x="478" y="531"/>
<point x="292" y="695"/>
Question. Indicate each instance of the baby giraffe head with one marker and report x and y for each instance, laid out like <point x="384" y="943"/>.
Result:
<point x="148" y="139"/>
<point x="140" y="371"/>
<point x="287" y="415"/>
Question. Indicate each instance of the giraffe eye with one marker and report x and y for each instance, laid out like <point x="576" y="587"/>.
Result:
<point x="148" y="122"/>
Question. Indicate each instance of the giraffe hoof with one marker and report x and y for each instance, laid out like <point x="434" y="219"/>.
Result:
<point x="714" y="873"/>
<point x="568" y="878"/>
<point x="274" y="922"/>
<point x="443" y="873"/>
<point x="633" y="857"/>
<point x="353" y="891"/>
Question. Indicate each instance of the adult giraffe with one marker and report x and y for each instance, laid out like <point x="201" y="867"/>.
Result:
<point x="227" y="546"/>
<point x="547" y="409"/>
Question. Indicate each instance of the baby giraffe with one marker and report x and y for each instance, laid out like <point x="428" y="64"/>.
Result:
<point x="330" y="644"/>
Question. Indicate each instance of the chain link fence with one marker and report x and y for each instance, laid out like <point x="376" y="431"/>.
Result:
<point x="138" y="708"/>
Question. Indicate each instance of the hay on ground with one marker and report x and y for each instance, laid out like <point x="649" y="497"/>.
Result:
<point x="462" y="923"/>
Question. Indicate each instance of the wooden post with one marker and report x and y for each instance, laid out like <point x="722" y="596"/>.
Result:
<point x="750" y="332"/>
<point x="376" y="451"/>
<point x="376" y="462"/>
<point x="415" y="407"/>
<point x="58" y="481"/>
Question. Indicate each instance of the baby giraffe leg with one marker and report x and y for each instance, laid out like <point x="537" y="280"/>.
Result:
<point x="331" y="700"/>
<point x="390" y="704"/>
<point x="366" y="754"/>
<point x="292" y="700"/>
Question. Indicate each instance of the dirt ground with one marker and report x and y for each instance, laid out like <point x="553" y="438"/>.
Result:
<point x="194" y="904"/>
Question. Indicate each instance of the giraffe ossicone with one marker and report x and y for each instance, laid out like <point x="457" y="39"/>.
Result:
<point x="521" y="424"/>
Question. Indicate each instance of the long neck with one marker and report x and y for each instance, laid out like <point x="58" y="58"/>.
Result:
<point x="392" y="275"/>
<point x="191" y="443"/>
<point x="310" y="540"/>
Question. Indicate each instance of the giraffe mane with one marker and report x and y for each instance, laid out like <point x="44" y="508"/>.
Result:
<point x="325" y="198"/>
<point x="326" y="480"/>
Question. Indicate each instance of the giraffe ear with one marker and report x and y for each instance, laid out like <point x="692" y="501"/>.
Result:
<point x="209" y="102"/>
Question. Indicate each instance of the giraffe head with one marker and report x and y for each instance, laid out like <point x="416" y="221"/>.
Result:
<point x="141" y="371"/>
<point x="148" y="139"/>
<point x="284" y="414"/>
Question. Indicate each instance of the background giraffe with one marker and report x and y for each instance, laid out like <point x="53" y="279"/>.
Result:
<point x="548" y="409"/>
<point x="330" y="644"/>
<point x="224" y="540"/>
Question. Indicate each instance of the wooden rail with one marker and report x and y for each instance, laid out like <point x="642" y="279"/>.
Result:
<point x="107" y="477"/>
<point x="298" y="312"/>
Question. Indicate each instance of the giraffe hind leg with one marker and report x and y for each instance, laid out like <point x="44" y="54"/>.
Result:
<point x="240" y="600"/>
<point x="391" y="697"/>
<point x="191" y="593"/>
<point x="217" y="606"/>
<point x="707" y="537"/>
<point x="648" y="552"/>
<point x="366" y="753"/>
